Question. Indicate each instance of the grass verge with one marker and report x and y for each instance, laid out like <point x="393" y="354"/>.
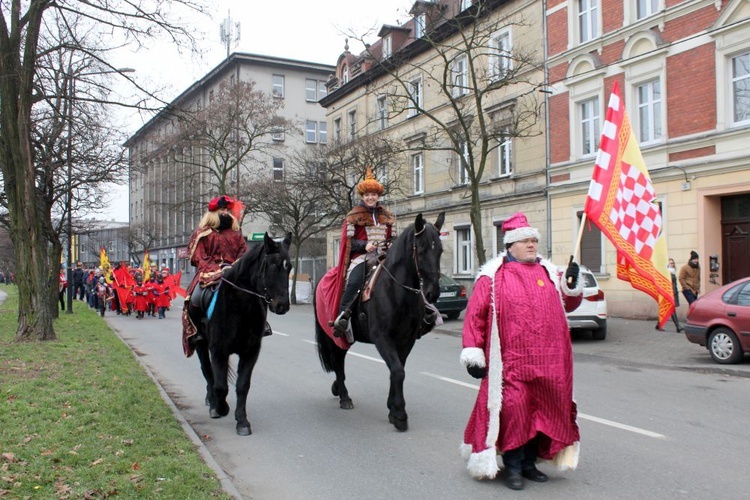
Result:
<point x="79" y="418"/>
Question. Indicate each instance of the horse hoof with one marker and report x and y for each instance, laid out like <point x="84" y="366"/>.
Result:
<point x="243" y="430"/>
<point x="335" y="389"/>
<point x="213" y="413"/>
<point x="346" y="404"/>
<point x="208" y="403"/>
<point x="223" y="409"/>
<point x="400" y="424"/>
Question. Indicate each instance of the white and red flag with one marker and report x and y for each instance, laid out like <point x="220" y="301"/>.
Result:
<point x="622" y="203"/>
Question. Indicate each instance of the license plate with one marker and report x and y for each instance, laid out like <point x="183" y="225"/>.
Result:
<point x="447" y="294"/>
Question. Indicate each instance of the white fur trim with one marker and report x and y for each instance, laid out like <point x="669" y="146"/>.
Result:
<point x="567" y="458"/>
<point x="482" y="465"/>
<point x="494" y="377"/>
<point x="519" y="234"/>
<point x="473" y="356"/>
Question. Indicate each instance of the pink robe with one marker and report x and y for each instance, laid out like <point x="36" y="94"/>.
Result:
<point x="522" y="337"/>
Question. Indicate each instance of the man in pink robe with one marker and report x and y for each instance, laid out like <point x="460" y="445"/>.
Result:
<point x="516" y="340"/>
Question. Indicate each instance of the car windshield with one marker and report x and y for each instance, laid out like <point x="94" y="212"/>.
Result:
<point x="588" y="280"/>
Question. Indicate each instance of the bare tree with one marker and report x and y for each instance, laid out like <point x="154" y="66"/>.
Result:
<point x="236" y="125"/>
<point x="21" y="29"/>
<point x="487" y="92"/>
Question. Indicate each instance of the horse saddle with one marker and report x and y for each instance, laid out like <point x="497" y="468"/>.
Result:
<point x="372" y="278"/>
<point x="204" y="299"/>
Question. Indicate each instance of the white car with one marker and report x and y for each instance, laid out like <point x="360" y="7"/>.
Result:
<point x="592" y="313"/>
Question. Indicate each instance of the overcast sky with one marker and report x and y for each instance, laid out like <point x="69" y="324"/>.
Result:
<point x="293" y="29"/>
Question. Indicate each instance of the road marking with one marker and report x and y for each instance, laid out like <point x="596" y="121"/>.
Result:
<point x="598" y="420"/>
<point x="281" y="333"/>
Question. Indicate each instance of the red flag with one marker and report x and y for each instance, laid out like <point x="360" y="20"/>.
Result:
<point x="174" y="285"/>
<point x="622" y="203"/>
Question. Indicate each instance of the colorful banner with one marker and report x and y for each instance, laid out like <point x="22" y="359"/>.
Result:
<point x="146" y="267"/>
<point x="622" y="203"/>
<point x="105" y="266"/>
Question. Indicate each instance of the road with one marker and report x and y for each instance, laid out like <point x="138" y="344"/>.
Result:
<point x="648" y="430"/>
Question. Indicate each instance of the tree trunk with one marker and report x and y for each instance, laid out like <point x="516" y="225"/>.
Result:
<point x="293" y="298"/>
<point x="476" y="223"/>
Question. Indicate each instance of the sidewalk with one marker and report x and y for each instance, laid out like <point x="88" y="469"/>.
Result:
<point x="636" y="342"/>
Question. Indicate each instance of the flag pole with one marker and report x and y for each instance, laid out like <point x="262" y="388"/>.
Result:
<point x="577" y="247"/>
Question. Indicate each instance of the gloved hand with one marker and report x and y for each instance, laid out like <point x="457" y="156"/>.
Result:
<point x="477" y="371"/>
<point x="571" y="274"/>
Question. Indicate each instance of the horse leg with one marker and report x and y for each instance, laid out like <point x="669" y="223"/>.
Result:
<point x="244" y="373"/>
<point x="332" y="359"/>
<point x="396" y="403"/>
<point x="339" y="387"/>
<point x="220" y="366"/>
<point x="202" y="350"/>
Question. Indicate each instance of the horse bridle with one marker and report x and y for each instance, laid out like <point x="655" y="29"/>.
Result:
<point x="416" y="265"/>
<point x="264" y="297"/>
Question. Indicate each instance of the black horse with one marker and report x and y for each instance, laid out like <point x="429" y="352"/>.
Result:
<point x="393" y="318"/>
<point x="257" y="281"/>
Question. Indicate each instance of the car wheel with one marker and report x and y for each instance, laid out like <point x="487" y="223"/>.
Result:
<point x="599" y="333"/>
<point x="724" y="346"/>
<point x="453" y="314"/>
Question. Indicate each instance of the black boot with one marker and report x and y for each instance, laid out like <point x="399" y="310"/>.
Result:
<point x="341" y="323"/>
<point x="267" y="331"/>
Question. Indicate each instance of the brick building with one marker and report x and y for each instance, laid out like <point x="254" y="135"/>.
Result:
<point x="683" y="68"/>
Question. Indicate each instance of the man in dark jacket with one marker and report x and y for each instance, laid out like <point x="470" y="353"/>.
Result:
<point x="78" y="288"/>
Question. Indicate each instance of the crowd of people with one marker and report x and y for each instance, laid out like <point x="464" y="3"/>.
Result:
<point x="125" y="290"/>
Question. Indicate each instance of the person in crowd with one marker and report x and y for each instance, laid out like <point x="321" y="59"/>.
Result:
<point x="214" y="245"/>
<point x="161" y="291"/>
<point x="671" y="267"/>
<point x="369" y="225"/>
<point x="140" y="294"/>
<point x="62" y="287"/>
<point x="690" y="278"/>
<point x="151" y="297"/>
<point x="516" y="340"/>
<point x="78" y="281"/>
<point x="103" y="294"/>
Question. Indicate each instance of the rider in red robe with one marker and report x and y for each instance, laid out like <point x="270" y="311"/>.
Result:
<point x="216" y="244"/>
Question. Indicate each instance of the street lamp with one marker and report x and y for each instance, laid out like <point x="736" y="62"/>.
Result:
<point x="69" y="149"/>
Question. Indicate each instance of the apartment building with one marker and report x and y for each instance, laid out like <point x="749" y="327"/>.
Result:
<point x="456" y="87"/>
<point x="167" y="197"/>
<point x="683" y="67"/>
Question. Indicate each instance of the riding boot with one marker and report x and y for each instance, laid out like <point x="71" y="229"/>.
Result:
<point x="348" y="299"/>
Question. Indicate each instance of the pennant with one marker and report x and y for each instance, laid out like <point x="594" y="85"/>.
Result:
<point x="621" y="202"/>
<point x="105" y="265"/>
<point x="146" y="267"/>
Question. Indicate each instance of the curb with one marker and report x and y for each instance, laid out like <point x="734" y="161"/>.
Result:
<point x="226" y="481"/>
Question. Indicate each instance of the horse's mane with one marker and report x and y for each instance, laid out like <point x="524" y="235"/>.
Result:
<point x="401" y="248"/>
<point x="248" y="259"/>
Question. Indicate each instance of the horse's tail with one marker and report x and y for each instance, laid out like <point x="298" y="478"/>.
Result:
<point x="326" y="347"/>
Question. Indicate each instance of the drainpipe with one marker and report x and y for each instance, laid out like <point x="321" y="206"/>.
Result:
<point x="546" y="130"/>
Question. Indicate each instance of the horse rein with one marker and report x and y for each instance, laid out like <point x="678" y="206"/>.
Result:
<point x="416" y="266"/>
<point x="251" y="292"/>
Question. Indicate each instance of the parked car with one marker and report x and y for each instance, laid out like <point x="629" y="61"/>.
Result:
<point x="592" y="313"/>
<point x="452" y="298"/>
<point x="720" y="321"/>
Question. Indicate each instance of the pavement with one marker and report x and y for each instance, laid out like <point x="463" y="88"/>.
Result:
<point x="636" y="342"/>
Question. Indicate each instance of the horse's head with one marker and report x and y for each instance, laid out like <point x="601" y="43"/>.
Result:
<point x="276" y="267"/>
<point x="427" y="251"/>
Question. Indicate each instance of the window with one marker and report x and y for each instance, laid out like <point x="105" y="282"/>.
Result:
<point x="463" y="250"/>
<point x="500" y="61"/>
<point x="311" y="131"/>
<point x="499" y="235"/>
<point x="382" y="112"/>
<point x="198" y="105"/>
<point x="460" y="73"/>
<point x="647" y="8"/>
<point x="277" y="134"/>
<point x="345" y="74"/>
<point x="352" y="115"/>
<point x="210" y="96"/>
<point x="278" y="169"/>
<point x="337" y="130"/>
<point x="323" y="133"/>
<point x="278" y="86"/>
<point x="417" y="162"/>
<point x="588" y="20"/>
<point x="322" y="90"/>
<point x="419" y="25"/>
<point x="591" y="246"/>
<point x="387" y="47"/>
<point x="462" y="163"/>
<point x="649" y="111"/>
<point x="465" y="4"/>
<point x="741" y="87"/>
<point x="311" y="90"/>
<point x="231" y="81"/>
<point x="415" y="97"/>
<point x="505" y="154"/>
<point x="589" y="126"/>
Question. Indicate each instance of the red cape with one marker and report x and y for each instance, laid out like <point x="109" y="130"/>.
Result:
<point x="329" y="290"/>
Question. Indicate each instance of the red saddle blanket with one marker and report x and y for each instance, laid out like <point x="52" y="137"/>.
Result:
<point x="327" y="301"/>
